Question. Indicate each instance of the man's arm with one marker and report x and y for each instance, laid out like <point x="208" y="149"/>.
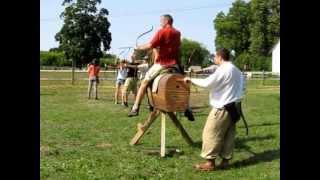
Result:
<point x="132" y="66"/>
<point x="146" y="46"/>
<point x="89" y="68"/>
<point x="210" y="69"/>
<point x="98" y="71"/>
<point x="152" y="44"/>
<point x="212" y="80"/>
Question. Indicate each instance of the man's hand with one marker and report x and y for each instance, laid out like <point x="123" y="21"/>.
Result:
<point x="187" y="80"/>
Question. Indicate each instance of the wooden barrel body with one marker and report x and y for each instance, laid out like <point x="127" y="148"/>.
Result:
<point x="172" y="94"/>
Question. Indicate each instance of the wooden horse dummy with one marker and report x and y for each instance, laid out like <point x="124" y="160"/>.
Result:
<point x="168" y="94"/>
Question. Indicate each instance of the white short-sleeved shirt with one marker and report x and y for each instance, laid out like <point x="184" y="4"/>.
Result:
<point x="122" y="73"/>
<point x="143" y="68"/>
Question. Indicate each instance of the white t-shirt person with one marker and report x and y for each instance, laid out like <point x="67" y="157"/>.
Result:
<point x="143" y="68"/>
<point x="226" y="85"/>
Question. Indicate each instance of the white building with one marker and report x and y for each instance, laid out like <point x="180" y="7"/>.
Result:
<point x="276" y="58"/>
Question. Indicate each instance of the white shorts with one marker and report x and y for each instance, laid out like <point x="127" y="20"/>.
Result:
<point x="154" y="71"/>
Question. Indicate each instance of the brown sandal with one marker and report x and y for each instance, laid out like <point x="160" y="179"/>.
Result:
<point x="204" y="167"/>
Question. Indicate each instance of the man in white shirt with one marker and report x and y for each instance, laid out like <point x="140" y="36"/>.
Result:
<point x="226" y="87"/>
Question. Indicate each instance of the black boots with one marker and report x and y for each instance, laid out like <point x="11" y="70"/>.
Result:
<point x="188" y="113"/>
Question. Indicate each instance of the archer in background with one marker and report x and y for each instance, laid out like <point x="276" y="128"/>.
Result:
<point x="121" y="77"/>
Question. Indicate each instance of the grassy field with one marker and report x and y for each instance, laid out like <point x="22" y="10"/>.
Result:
<point x="89" y="139"/>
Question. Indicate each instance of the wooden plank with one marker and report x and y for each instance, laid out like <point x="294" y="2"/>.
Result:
<point x="142" y="128"/>
<point x="163" y="135"/>
<point x="183" y="132"/>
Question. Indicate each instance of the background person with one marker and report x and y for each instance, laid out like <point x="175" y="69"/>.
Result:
<point x="121" y="77"/>
<point x="130" y="84"/>
<point x="93" y="72"/>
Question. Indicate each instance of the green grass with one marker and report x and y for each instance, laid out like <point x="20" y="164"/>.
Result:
<point x="88" y="139"/>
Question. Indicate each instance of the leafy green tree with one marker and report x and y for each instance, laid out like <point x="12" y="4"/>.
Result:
<point x="193" y="53"/>
<point x="259" y="29"/>
<point x="233" y="30"/>
<point x="84" y="31"/>
<point x="273" y="22"/>
<point x="251" y="29"/>
<point x="53" y="58"/>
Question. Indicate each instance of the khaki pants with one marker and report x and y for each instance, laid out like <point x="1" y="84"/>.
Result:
<point x="94" y="84"/>
<point x="218" y="135"/>
<point x="130" y="85"/>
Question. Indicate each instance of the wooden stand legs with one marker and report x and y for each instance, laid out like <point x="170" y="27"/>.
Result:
<point x="142" y="128"/>
<point x="183" y="132"/>
<point x="163" y="135"/>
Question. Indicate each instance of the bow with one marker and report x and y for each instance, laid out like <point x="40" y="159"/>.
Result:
<point x="127" y="48"/>
<point x="143" y="34"/>
<point x="194" y="50"/>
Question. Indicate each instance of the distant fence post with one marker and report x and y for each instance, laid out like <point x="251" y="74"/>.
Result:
<point x="263" y="77"/>
<point x="73" y="64"/>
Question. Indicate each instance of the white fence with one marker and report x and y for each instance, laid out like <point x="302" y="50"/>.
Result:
<point x="104" y="76"/>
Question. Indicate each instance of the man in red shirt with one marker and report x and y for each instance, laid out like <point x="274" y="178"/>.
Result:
<point x="167" y="41"/>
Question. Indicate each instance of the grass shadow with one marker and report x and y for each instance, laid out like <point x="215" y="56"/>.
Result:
<point x="240" y="143"/>
<point x="265" y="156"/>
<point x="171" y="151"/>
<point x="263" y="124"/>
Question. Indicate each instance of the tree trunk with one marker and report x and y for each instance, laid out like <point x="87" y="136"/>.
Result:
<point x="73" y="65"/>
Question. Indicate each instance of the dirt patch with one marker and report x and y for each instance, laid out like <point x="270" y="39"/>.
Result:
<point x="47" y="151"/>
<point x="44" y="149"/>
<point x="104" y="145"/>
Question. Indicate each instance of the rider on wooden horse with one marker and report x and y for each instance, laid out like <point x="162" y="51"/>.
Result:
<point x="167" y="41"/>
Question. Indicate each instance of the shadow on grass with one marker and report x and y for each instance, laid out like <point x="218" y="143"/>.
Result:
<point x="171" y="151"/>
<point x="240" y="144"/>
<point x="263" y="124"/>
<point x="265" y="156"/>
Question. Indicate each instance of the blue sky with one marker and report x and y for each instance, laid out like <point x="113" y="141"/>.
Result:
<point x="130" y="18"/>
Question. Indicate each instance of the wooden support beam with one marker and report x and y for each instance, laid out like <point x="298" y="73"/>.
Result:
<point x="183" y="132"/>
<point x="163" y="135"/>
<point x="142" y="128"/>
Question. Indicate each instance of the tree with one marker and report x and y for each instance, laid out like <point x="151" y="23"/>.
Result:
<point x="193" y="53"/>
<point x="84" y="30"/>
<point x="108" y="59"/>
<point x="265" y="31"/>
<point x="233" y="30"/>
<point x="251" y="29"/>
<point x="259" y="29"/>
<point x="53" y="58"/>
<point x="273" y="22"/>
